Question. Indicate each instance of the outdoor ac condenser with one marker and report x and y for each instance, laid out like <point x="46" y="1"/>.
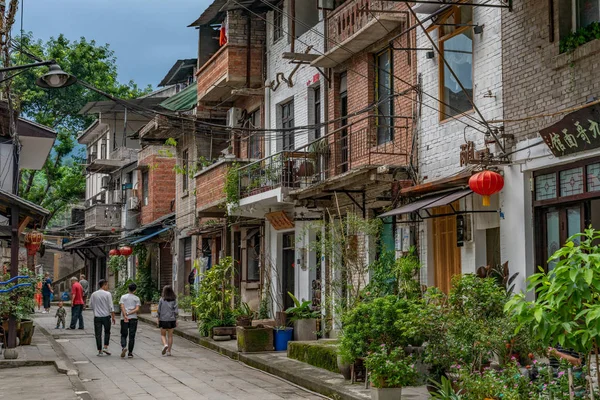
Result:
<point x="133" y="203"/>
<point x="234" y="116"/>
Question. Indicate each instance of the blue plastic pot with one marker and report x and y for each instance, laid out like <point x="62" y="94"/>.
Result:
<point x="282" y="337"/>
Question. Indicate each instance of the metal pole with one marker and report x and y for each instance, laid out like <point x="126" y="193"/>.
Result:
<point x="11" y="341"/>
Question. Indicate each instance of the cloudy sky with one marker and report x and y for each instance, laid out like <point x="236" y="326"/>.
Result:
<point x="147" y="36"/>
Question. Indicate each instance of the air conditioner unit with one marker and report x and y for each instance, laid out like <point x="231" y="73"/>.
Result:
<point x="105" y="182"/>
<point x="133" y="203"/>
<point x="234" y="116"/>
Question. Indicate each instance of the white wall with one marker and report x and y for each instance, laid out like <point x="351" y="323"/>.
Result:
<point x="439" y="142"/>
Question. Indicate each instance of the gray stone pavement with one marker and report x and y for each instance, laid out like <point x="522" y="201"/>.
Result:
<point x="193" y="372"/>
<point x="35" y="383"/>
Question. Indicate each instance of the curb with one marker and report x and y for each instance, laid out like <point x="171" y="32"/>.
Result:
<point x="320" y="387"/>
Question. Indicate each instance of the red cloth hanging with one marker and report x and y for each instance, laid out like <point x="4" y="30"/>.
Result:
<point x="223" y="36"/>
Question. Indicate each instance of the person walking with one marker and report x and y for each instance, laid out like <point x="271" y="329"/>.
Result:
<point x="167" y="318"/>
<point x="86" y="289"/>
<point x="76" y="304"/>
<point x="38" y="294"/>
<point x="102" y="304"/>
<point x="130" y="305"/>
<point x="46" y="292"/>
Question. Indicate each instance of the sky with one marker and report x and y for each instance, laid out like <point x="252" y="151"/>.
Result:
<point x="147" y="36"/>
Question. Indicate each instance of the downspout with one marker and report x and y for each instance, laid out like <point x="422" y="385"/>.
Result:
<point x="248" y="49"/>
<point x="293" y="27"/>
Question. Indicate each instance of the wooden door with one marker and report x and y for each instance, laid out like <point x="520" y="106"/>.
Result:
<point x="445" y="251"/>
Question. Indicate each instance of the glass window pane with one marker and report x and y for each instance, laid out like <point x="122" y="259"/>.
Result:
<point x="571" y="182"/>
<point x="545" y="187"/>
<point x="574" y="223"/>
<point x="593" y="177"/>
<point x="588" y="11"/>
<point x="458" y="51"/>
<point x="552" y="236"/>
<point x="384" y="92"/>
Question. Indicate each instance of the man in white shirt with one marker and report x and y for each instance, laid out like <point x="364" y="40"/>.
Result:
<point x="130" y="305"/>
<point x="102" y="304"/>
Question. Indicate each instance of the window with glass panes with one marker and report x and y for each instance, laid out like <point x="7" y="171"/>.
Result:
<point x="384" y="96"/>
<point x="254" y="138"/>
<point x="287" y="122"/>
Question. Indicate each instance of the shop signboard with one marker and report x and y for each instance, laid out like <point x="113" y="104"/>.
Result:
<point x="576" y="132"/>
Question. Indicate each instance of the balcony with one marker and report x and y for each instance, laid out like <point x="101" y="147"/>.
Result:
<point x="118" y="159"/>
<point x="226" y="71"/>
<point x="210" y="184"/>
<point x="358" y="24"/>
<point x="103" y="217"/>
<point x="342" y="154"/>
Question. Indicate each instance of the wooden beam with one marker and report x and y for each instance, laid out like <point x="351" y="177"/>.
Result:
<point x="248" y="92"/>
<point x="24" y="224"/>
<point x="299" y="56"/>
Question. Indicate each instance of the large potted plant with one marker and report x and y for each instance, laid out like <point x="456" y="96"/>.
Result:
<point x="282" y="336"/>
<point x="252" y="339"/>
<point x="304" y="319"/>
<point x="390" y="371"/>
<point x="243" y="315"/>
<point x="19" y="303"/>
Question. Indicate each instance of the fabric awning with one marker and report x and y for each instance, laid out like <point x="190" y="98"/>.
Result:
<point x="428" y="202"/>
<point x="150" y="236"/>
<point x="184" y="100"/>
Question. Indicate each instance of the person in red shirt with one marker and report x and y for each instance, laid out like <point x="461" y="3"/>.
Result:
<point x="76" y="303"/>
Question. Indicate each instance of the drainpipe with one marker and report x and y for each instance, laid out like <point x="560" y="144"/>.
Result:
<point x="293" y="27"/>
<point x="248" y="49"/>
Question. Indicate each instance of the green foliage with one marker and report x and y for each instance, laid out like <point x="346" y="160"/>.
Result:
<point x="117" y="263"/>
<point x="444" y="390"/>
<point x="300" y="310"/>
<point x="121" y="290"/>
<point x="321" y="355"/>
<point x="243" y="310"/>
<point x="232" y="185"/>
<point x="566" y="310"/>
<point x="186" y="301"/>
<point x="581" y="36"/>
<point x="388" y="320"/>
<point x="215" y="296"/>
<point x="383" y="281"/>
<point x="61" y="182"/>
<point x="147" y="288"/>
<point x="407" y="271"/>
<point x="264" y="311"/>
<point x="391" y="368"/>
<point x="20" y="302"/>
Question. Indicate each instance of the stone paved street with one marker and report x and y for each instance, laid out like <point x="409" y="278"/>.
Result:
<point x="191" y="373"/>
<point x="35" y="383"/>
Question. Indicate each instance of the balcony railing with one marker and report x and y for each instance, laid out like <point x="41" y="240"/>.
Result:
<point x="353" y="15"/>
<point x="103" y="217"/>
<point x="340" y="152"/>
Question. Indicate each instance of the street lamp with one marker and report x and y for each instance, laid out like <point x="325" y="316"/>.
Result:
<point x="55" y="78"/>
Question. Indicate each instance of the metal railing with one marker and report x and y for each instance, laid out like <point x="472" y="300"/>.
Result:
<point x="340" y="152"/>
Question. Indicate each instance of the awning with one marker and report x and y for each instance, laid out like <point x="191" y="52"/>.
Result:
<point x="428" y="202"/>
<point x="150" y="236"/>
<point x="184" y="100"/>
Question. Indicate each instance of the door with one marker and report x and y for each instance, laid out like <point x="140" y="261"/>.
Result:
<point x="446" y="253"/>
<point x="237" y="262"/>
<point x="289" y="278"/>
<point x="558" y="224"/>
<point x="344" y="142"/>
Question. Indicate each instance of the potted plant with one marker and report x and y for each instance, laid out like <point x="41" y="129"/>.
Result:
<point x="252" y="339"/>
<point x="390" y="371"/>
<point x="19" y="303"/>
<point x="282" y="336"/>
<point x="304" y="319"/>
<point x="243" y="315"/>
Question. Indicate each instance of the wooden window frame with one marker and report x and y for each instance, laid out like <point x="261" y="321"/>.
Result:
<point x="286" y="123"/>
<point x="442" y="38"/>
<point x="391" y="100"/>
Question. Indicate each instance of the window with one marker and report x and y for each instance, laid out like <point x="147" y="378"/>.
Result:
<point x="456" y="44"/>
<point x="185" y="161"/>
<point x="287" y="121"/>
<point x="384" y="96"/>
<point x="253" y="255"/>
<point x="254" y="148"/>
<point x="278" y="22"/>
<point x="586" y="12"/>
<point x="317" y="111"/>
<point x="103" y="149"/>
<point x="582" y="180"/>
<point x="145" y="187"/>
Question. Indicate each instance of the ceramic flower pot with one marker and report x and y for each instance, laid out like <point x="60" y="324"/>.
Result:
<point x="305" y="329"/>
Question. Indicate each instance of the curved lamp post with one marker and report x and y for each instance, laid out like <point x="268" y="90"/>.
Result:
<point x="55" y="78"/>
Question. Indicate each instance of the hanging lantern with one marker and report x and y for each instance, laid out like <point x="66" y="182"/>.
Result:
<point x="114" y="253"/>
<point x="126" y="251"/>
<point x="486" y="183"/>
<point x="33" y="241"/>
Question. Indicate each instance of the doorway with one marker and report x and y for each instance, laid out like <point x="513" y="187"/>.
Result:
<point x="557" y="225"/>
<point x="446" y="253"/>
<point x="287" y="264"/>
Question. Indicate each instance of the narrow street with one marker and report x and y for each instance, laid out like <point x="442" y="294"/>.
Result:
<point x="191" y="373"/>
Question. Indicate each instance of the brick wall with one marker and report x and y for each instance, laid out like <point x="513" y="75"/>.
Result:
<point x="159" y="163"/>
<point x="537" y="79"/>
<point x="185" y="202"/>
<point x="210" y="184"/>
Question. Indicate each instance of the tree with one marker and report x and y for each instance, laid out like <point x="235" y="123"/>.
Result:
<point x="61" y="182"/>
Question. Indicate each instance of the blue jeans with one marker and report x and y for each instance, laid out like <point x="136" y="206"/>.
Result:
<point x="77" y="316"/>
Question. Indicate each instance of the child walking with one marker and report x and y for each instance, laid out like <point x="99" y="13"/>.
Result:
<point x="167" y="318"/>
<point x="61" y="314"/>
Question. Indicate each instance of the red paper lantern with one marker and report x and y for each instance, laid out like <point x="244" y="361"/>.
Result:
<point x="114" y="253"/>
<point x="126" y="251"/>
<point x="486" y="183"/>
<point x="33" y="241"/>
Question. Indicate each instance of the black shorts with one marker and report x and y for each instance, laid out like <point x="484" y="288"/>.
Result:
<point x="46" y="301"/>
<point x="167" y="324"/>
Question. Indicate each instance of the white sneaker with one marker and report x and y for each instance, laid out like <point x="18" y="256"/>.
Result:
<point x="164" y="350"/>
<point x="44" y="312"/>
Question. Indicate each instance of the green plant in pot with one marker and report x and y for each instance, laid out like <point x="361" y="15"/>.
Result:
<point x="20" y="303"/>
<point x="304" y="319"/>
<point x="243" y="315"/>
<point x="390" y="370"/>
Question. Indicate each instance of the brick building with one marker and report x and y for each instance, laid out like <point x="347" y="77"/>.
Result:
<point x="552" y="186"/>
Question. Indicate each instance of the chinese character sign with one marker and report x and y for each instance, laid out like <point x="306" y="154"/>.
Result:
<point x="576" y="132"/>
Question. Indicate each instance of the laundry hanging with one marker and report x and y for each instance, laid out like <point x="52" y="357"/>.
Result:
<point x="223" y="33"/>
